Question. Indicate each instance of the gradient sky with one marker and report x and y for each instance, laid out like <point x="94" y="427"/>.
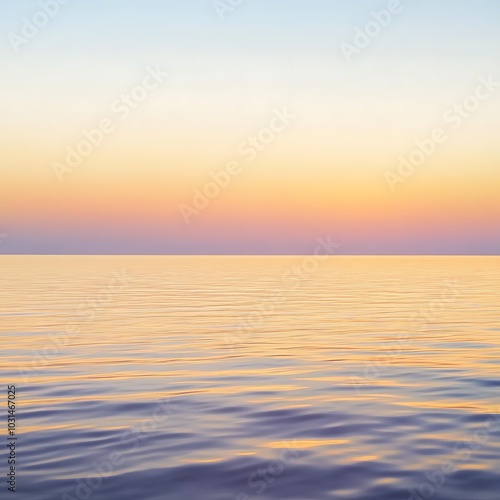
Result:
<point x="324" y="175"/>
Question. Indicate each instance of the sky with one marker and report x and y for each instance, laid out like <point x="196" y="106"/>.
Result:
<point x="249" y="127"/>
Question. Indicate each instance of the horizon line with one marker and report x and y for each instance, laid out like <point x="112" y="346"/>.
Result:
<point x="242" y="255"/>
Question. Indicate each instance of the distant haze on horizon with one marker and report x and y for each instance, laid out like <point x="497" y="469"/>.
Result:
<point x="171" y="127"/>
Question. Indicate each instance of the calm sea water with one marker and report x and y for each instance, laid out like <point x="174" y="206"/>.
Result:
<point x="244" y="378"/>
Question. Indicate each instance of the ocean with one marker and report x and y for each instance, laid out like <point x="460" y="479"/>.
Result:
<point x="238" y="378"/>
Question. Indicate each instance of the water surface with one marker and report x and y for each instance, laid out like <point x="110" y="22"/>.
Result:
<point x="244" y="378"/>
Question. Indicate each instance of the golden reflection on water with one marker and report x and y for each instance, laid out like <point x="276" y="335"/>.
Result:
<point x="304" y="444"/>
<point x="360" y="360"/>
